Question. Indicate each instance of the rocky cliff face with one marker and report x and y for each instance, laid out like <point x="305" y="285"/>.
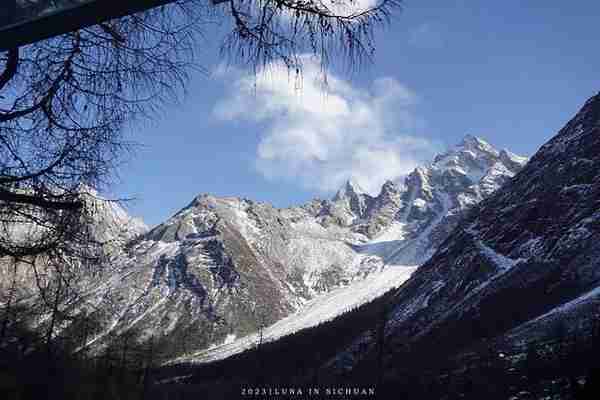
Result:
<point x="518" y="259"/>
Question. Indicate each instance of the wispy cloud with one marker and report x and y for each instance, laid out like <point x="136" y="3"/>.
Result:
<point x="320" y="135"/>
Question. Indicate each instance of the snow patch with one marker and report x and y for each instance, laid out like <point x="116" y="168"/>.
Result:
<point x="230" y="338"/>
<point x="420" y="203"/>
<point x="502" y="262"/>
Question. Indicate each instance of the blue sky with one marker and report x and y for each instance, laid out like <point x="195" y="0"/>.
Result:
<point x="511" y="72"/>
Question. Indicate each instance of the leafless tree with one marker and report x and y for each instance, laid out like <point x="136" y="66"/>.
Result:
<point x="64" y="103"/>
<point x="63" y="106"/>
<point x="267" y="30"/>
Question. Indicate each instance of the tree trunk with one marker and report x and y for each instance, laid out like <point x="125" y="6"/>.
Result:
<point x="8" y="309"/>
<point x="53" y="318"/>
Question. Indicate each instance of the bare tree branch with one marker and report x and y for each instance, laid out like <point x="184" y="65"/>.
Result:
<point x="10" y="197"/>
<point x="64" y="103"/>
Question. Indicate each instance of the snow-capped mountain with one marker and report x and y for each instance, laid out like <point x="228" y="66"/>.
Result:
<point x="221" y="268"/>
<point x="409" y="219"/>
<point x="521" y="261"/>
<point x="227" y="266"/>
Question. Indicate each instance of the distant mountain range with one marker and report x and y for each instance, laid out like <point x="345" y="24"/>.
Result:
<point x="211" y="276"/>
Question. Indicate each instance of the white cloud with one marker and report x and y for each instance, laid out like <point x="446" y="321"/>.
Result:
<point x="320" y="135"/>
<point x="345" y="7"/>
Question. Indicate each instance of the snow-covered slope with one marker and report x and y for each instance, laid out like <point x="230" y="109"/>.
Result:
<point x="320" y="309"/>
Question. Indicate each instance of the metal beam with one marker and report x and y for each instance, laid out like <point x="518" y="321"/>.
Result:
<point x="16" y="33"/>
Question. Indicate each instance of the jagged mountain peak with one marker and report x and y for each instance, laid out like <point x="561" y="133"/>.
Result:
<point x="474" y="157"/>
<point x="350" y="188"/>
<point x="350" y="203"/>
<point x="472" y="142"/>
<point x="470" y="146"/>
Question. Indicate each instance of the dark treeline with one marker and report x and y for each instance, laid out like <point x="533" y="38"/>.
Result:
<point x="35" y="365"/>
<point x="292" y="360"/>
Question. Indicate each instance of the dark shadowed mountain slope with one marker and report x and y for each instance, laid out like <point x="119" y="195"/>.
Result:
<point x="526" y="256"/>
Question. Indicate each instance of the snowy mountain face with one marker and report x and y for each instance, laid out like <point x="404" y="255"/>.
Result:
<point x="408" y="220"/>
<point x="227" y="266"/>
<point x="221" y="268"/>
<point x="521" y="260"/>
